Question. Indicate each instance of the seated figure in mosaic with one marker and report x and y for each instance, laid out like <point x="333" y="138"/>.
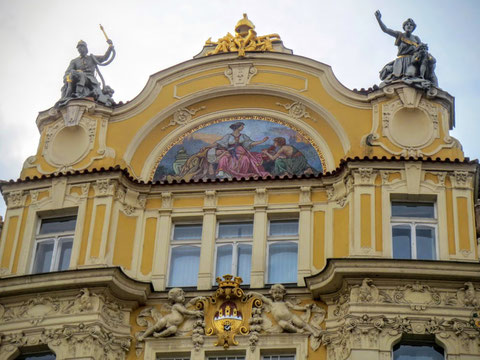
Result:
<point x="288" y="160"/>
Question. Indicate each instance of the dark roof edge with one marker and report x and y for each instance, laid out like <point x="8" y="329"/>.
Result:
<point x="336" y="171"/>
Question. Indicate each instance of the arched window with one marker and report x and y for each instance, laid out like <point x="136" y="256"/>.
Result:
<point x="423" y="348"/>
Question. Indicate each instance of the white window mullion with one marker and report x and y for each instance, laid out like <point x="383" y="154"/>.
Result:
<point x="413" y="230"/>
<point x="53" y="263"/>
<point x="235" y="258"/>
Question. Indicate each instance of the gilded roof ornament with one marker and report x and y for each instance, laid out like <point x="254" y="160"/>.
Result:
<point x="245" y="39"/>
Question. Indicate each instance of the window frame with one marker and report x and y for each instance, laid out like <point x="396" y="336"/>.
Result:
<point x="57" y="238"/>
<point x="418" y="340"/>
<point x="235" y="242"/>
<point x="192" y="243"/>
<point x="271" y="240"/>
<point x="277" y="356"/>
<point x="414" y="222"/>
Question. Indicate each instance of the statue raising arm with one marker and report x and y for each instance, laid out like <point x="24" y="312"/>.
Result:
<point x="384" y="28"/>
<point x="102" y="58"/>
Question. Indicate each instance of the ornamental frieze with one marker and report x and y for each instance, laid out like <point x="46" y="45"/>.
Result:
<point x="230" y="313"/>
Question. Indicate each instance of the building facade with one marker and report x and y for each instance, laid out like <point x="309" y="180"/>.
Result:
<point x="245" y="205"/>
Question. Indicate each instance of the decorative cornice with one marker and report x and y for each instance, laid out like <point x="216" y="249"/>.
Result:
<point x="114" y="279"/>
<point x="331" y="278"/>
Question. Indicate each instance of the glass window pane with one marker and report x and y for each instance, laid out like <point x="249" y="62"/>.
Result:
<point x="235" y="230"/>
<point x="417" y="352"/>
<point x="184" y="264"/>
<point x="43" y="356"/>
<point x="43" y="257"/>
<point x="283" y="227"/>
<point x="282" y="263"/>
<point x="410" y="209"/>
<point x="224" y="260"/>
<point x="244" y="262"/>
<point x="187" y="232"/>
<point x="425" y="237"/>
<point x="65" y="251"/>
<point x="57" y="225"/>
<point x="402" y="242"/>
<point x="278" y="357"/>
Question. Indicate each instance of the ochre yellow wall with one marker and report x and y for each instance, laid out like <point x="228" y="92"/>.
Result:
<point x="11" y="229"/>
<point x="124" y="242"/>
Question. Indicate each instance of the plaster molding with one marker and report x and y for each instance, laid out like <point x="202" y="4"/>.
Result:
<point x="15" y="199"/>
<point x="227" y="91"/>
<point x="318" y="140"/>
<point x="240" y="74"/>
<point x="297" y="110"/>
<point x="183" y="116"/>
<point x="159" y="80"/>
<point x="104" y="187"/>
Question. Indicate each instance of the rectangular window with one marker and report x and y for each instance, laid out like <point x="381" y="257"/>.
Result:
<point x="185" y="255"/>
<point x="53" y="244"/>
<point x="414" y="228"/>
<point x="278" y="357"/>
<point x="226" y="357"/>
<point x="234" y="249"/>
<point x="173" y="358"/>
<point x="282" y="251"/>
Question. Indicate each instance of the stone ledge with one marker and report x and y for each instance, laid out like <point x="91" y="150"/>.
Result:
<point x="331" y="278"/>
<point x="114" y="279"/>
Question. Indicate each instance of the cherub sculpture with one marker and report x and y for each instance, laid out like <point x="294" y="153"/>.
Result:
<point x="167" y="325"/>
<point x="286" y="319"/>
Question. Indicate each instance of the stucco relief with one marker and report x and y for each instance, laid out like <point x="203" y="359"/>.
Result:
<point x="104" y="187"/>
<point x="351" y="328"/>
<point x="15" y="199"/>
<point x="376" y="332"/>
<point x="417" y="296"/>
<point x="411" y="123"/>
<point x="183" y="116"/>
<point x="297" y="110"/>
<point x="47" y="317"/>
<point x="69" y="142"/>
<point x="66" y="145"/>
<point x="287" y="320"/>
<point x="240" y="74"/>
<point x="130" y="200"/>
<point x="91" y="341"/>
<point x="230" y="312"/>
<point x="175" y="319"/>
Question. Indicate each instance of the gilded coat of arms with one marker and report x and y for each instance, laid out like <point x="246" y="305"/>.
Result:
<point x="228" y="311"/>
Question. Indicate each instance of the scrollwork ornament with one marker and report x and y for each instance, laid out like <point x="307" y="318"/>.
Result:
<point x="418" y="296"/>
<point x="15" y="199"/>
<point x="183" y="116"/>
<point x="297" y="110"/>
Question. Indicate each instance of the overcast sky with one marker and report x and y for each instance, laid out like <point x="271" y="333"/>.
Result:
<point x="38" y="40"/>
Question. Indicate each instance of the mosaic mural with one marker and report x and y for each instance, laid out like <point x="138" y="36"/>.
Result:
<point x="240" y="147"/>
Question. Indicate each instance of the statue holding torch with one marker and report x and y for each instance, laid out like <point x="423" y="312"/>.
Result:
<point x="80" y="80"/>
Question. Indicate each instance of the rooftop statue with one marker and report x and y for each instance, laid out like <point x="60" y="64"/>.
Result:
<point x="245" y="39"/>
<point x="414" y="65"/>
<point x="80" y="81"/>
